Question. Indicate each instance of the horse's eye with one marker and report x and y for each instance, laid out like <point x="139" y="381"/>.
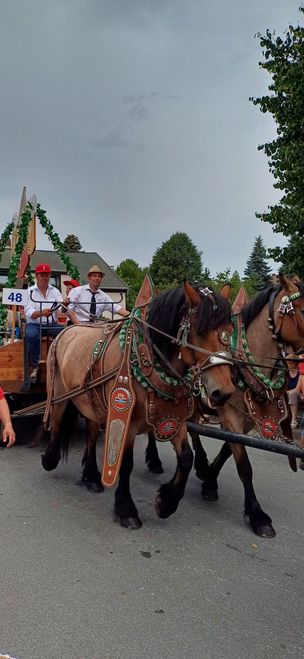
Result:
<point x="225" y="337"/>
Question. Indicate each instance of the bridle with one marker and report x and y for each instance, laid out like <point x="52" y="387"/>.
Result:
<point x="286" y="309"/>
<point x="184" y="339"/>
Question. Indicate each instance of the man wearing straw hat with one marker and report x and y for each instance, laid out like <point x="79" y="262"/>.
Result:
<point x="88" y="302"/>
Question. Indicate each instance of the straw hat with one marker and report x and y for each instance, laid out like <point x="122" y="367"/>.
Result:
<point x="95" y="269"/>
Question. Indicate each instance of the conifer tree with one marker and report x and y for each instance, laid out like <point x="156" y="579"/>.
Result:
<point x="257" y="268"/>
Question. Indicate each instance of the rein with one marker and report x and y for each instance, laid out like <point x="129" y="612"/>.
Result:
<point x="76" y="391"/>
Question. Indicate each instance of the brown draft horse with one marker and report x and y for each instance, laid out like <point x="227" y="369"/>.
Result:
<point x="267" y="333"/>
<point x="204" y="318"/>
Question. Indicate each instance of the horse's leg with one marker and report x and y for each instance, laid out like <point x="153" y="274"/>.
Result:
<point x="259" y="521"/>
<point x="90" y="475"/>
<point x="125" y="511"/>
<point x="201" y="464"/>
<point x="153" y="461"/>
<point x="171" y="493"/>
<point x="209" y="485"/>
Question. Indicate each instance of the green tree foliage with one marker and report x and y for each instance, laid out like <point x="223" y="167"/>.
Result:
<point x="72" y="243"/>
<point x="225" y="277"/>
<point x="133" y="275"/>
<point x="283" y="60"/>
<point x="176" y="259"/>
<point x="257" y="270"/>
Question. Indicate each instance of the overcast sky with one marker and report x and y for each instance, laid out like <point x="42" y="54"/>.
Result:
<point x="130" y="120"/>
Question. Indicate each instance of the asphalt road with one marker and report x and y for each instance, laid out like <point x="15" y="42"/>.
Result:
<point x="199" y="585"/>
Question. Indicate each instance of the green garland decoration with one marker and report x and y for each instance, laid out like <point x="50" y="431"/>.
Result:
<point x="15" y="260"/>
<point x="72" y="270"/>
<point x="3" y="242"/>
<point x="4" y="238"/>
<point x="29" y="276"/>
<point x="23" y="228"/>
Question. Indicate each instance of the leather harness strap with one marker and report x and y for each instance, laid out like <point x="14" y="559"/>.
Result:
<point x="121" y="403"/>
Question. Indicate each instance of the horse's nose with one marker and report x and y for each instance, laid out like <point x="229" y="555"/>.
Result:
<point x="218" y="397"/>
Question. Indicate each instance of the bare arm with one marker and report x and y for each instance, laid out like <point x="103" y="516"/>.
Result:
<point x="123" y="312"/>
<point x="73" y="317"/>
<point x="8" y="434"/>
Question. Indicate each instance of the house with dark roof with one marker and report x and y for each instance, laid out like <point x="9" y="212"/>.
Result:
<point x="111" y="283"/>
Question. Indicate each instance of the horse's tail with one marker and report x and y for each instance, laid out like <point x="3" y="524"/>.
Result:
<point x="51" y="371"/>
<point x="64" y="433"/>
<point x="67" y="428"/>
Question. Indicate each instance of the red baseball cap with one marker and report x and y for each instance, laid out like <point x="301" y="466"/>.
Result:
<point x="43" y="267"/>
<point x="72" y="282"/>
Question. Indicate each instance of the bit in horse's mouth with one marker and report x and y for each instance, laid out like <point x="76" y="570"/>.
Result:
<point x="204" y="396"/>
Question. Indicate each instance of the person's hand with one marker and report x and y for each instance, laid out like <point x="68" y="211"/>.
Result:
<point x="8" y="435"/>
<point x="46" y="312"/>
<point x="66" y="301"/>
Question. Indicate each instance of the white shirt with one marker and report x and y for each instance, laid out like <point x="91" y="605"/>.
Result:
<point x="52" y="296"/>
<point x="83" y="294"/>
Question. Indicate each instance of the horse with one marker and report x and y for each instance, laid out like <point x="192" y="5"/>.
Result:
<point x="187" y="331"/>
<point x="272" y="320"/>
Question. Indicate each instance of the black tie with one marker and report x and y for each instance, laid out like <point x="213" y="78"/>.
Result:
<point x="92" y="308"/>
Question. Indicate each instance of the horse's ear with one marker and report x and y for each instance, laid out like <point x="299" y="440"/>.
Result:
<point x="225" y="291"/>
<point x="192" y="295"/>
<point x="288" y="284"/>
<point x="240" y="301"/>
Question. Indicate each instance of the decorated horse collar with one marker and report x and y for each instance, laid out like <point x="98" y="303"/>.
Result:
<point x="250" y="375"/>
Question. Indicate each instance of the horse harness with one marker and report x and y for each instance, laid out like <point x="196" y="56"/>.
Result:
<point x="169" y="398"/>
<point x="265" y="399"/>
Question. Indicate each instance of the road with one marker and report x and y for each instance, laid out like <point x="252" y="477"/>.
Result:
<point x="199" y="585"/>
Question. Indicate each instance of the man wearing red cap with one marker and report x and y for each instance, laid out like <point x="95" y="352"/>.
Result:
<point x="41" y="312"/>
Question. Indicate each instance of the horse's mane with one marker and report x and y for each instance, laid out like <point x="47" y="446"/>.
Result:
<point x="253" y="308"/>
<point x="168" y="309"/>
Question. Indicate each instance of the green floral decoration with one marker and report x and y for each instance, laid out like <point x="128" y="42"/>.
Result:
<point x="15" y="260"/>
<point x="5" y="237"/>
<point x="29" y="276"/>
<point x="23" y="228"/>
<point x="71" y="269"/>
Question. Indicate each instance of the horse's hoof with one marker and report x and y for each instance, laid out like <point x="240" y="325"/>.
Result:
<point x="209" y="495"/>
<point x="49" y="463"/>
<point x="264" y="531"/>
<point x="95" y="487"/>
<point x="163" y="509"/>
<point x="155" y="467"/>
<point x="131" y="523"/>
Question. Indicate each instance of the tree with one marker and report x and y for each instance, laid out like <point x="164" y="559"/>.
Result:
<point x="176" y="259"/>
<point x="257" y="269"/>
<point x="283" y="60"/>
<point x="72" y="243"/>
<point x="133" y="275"/>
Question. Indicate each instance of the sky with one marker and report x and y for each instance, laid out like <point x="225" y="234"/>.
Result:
<point x="130" y="120"/>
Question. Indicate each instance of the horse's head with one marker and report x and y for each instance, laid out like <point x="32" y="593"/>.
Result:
<point x="207" y="327"/>
<point x="287" y="317"/>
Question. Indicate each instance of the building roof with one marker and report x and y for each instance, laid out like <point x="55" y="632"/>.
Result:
<point x="83" y="260"/>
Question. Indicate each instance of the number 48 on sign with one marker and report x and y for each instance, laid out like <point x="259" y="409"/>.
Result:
<point x="14" y="296"/>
